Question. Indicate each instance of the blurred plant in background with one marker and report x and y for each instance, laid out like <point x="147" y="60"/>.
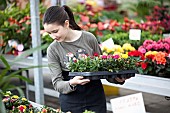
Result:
<point x="15" y="29"/>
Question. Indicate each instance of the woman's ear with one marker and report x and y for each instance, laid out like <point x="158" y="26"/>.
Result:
<point x="66" y="24"/>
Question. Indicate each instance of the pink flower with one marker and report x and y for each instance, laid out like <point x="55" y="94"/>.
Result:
<point x="115" y="56"/>
<point x="109" y="56"/>
<point x="141" y="49"/>
<point x="104" y="56"/>
<point x="149" y="47"/>
<point x="167" y="46"/>
<point x="147" y="42"/>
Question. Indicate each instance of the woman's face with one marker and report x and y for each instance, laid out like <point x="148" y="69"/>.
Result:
<point x="57" y="32"/>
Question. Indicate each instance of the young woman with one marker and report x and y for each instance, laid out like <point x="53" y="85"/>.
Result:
<point x="76" y="94"/>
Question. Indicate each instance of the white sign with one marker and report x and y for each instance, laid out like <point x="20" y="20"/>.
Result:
<point x="166" y="35"/>
<point x="134" y="34"/>
<point x="108" y="43"/>
<point x="128" y="104"/>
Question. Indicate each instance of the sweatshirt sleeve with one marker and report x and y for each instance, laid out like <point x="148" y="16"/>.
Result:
<point x="56" y="73"/>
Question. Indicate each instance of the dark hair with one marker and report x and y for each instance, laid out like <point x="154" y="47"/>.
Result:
<point x="58" y="14"/>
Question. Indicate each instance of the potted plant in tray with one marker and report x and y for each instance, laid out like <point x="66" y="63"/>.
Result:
<point x="101" y="66"/>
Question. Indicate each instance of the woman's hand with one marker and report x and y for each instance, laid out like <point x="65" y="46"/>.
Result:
<point x="78" y="80"/>
<point x="120" y="79"/>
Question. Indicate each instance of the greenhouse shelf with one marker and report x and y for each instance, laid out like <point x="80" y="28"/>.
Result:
<point x="143" y="83"/>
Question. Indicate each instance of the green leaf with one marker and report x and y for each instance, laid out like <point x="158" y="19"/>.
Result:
<point x="2" y="106"/>
<point x="4" y="62"/>
<point x="21" y="93"/>
<point x="168" y="69"/>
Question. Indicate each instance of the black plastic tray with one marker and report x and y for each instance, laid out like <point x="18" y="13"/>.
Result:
<point x="104" y="74"/>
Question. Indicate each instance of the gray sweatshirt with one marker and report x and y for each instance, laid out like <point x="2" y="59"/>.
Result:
<point x="56" y="55"/>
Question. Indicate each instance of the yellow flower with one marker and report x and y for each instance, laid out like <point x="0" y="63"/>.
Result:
<point x="124" y="56"/>
<point x="126" y="46"/>
<point x="151" y="53"/>
<point x="15" y="97"/>
<point x="105" y="53"/>
<point x="132" y="49"/>
<point x="109" y="50"/>
<point x="117" y="53"/>
<point x="103" y="48"/>
<point x="91" y="2"/>
<point x="118" y="48"/>
<point x="24" y="99"/>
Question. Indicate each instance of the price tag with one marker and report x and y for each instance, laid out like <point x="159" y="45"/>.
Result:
<point x="108" y="43"/>
<point x="130" y="103"/>
<point x="166" y="35"/>
<point x="134" y="34"/>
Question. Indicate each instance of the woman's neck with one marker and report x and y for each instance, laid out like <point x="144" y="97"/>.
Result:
<point x="73" y="35"/>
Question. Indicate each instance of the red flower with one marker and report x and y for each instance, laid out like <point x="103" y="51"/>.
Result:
<point x="144" y="65"/>
<point x="96" y="54"/>
<point x="135" y="53"/>
<point x="150" y="56"/>
<point x="22" y="108"/>
<point x="74" y="60"/>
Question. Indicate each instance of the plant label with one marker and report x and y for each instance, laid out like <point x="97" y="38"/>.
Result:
<point x="130" y="103"/>
<point x="134" y="34"/>
<point x="108" y="43"/>
<point x="166" y="35"/>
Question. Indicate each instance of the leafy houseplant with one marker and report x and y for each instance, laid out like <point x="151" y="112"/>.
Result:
<point x="6" y="75"/>
<point x="15" y="29"/>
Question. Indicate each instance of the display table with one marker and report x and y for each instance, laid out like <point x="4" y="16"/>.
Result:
<point x="143" y="83"/>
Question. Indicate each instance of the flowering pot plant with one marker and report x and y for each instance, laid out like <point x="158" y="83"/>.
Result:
<point x="156" y="60"/>
<point x="16" y="104"/>
<point x="111" y="63"/>
<point x="152" y="63"/>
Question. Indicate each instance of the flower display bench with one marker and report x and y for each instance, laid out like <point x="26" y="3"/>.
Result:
<point x="143" y="83"/>
<point x="146" y="83"/>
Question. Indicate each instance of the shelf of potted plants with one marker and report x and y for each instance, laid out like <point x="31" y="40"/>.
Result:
<point x="152" y="84"/>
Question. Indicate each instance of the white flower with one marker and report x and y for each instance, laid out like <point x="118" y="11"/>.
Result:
<point x="20" y="47"/>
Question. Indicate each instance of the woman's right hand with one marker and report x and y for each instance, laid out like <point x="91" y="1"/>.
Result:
<point x="78" y="80"/>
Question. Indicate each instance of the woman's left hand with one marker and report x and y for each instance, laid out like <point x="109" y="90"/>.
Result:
<point x="120" y="79"/>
